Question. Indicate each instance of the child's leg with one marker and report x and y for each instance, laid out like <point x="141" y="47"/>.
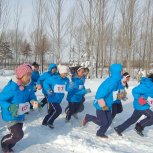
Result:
<point x="114" y="110"/>
<point x="106" y="120"/>
<point x="99" y="120"/>
<point x="44" y="101"/>
<point x="57" y="111"/>
<point x="77" y="107"/>
<point x="135" y="116"/>
<point x="16" y="134"/>
<point x="148" y="121"/>
<point x="71" y="110"/>
<point x="50" y="112"/>
<point x="81" y="107"/>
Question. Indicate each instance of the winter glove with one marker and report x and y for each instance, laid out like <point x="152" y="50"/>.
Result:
<point x="142" y="101"/>
<point x="104" y="108"/>
<point x="13" y="108"/>
<point x="50" y="92"/>
<point x="88" y="90"/>
<point x="120" y="96"/>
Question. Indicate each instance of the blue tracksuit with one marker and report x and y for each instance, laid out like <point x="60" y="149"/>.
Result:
<point x="78" y="91"/>
<point x="46" y="75"/>
<point x="105" y="91"/>
<point x="144" y="89"/>
<point x="11" y="94"/>
<point x="75" y="96"/>
<point x="55" y="88"/>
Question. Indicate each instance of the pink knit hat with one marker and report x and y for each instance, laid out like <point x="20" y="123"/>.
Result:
<point x="23" y="70"/>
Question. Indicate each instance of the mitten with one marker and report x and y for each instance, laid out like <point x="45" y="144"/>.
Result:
<point x="142" y="101"/>
<point x="105" y="108"/>
<point x="13" y="108"/>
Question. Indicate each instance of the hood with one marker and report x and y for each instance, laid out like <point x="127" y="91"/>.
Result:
<point x="115" y="71"/>
<point x="147" y="82"/>
<point x="51" y="66"/>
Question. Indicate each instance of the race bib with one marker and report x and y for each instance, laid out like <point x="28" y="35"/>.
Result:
<point x="59" y="89"/>
<point x="23" y="108"/>
<point x="80" y="87"/>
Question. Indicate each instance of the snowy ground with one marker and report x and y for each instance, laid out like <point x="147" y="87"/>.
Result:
<point x="73" y="138"/>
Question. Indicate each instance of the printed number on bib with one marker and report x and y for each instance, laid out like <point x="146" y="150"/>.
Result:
<point x="23" y="108"/>
<point x="59" y="88"/>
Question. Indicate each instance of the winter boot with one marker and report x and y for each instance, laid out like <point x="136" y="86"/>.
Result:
<point x="117" y="131"/>
<point x="103" y="137"/>
<point x="50" y="125"/>
<point x="139" y="129"/>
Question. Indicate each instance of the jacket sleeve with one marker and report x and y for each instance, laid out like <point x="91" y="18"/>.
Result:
<point x="105" y="89"/>
<point x="32" y="96"/>
<point x="47" y="85"/>
<point x="5" y="96"/>
<point x="41" y="79"/>
<point x="81" y="92"/>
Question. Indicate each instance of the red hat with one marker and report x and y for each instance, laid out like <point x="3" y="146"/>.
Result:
<point x="23" y="70"/>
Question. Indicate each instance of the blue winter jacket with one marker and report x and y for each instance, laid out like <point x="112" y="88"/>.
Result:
<point x="55" y="88"/>
<point x="11" y="94"/>
<point x="78" y="91"/>
<point x="144" y="89"/>
<point x="105" y="90"/>
<point x="35" y="76"/>
<point x="46" y="75"/>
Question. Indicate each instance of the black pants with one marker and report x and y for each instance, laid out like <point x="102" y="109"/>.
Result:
<point x="116" y="109"/>
<point x="44" y="101"/>
<point x="9" y="140"/>
<point x="73" y="108"/>
<point x="80" y="109"/>
<point x="54" y="110"/>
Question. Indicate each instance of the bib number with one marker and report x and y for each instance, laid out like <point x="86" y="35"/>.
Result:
<point x="59" y="88"/>
<point x="23" y="108"/>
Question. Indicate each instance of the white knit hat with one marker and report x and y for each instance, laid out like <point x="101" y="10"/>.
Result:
<point x="63" y="69"/>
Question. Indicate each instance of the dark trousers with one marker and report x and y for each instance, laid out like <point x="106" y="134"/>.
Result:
<point x="9" y="140"/>
<point x="116" y="109"/>
<point x="44" y="101"/>
<point x="80" y="109"/>
<point x="73" y="108"/>
<point x="103" y="119"/>
<point x="54" y="110"/>
<point x="148" y="121"/>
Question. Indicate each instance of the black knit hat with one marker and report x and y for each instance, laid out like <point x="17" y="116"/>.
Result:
<point x="126" y="74"/>
<point x="35" y="64"/>
<point x="151" y="76"/>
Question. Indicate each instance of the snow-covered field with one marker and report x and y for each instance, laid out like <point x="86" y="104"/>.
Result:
<point x="73" y="138"/>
